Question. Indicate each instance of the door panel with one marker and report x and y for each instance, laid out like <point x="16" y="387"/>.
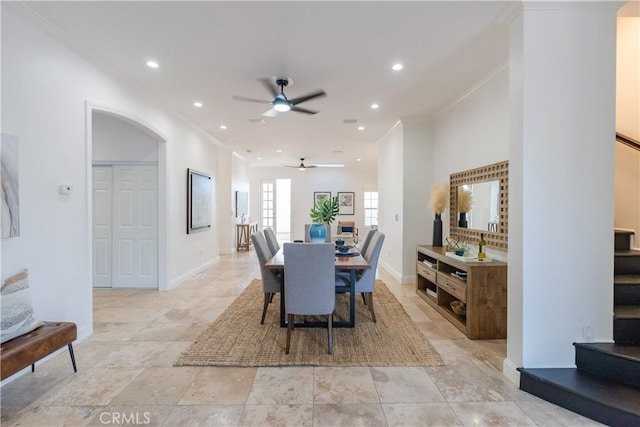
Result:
<point x="135" y="229"/>
<point x="102" y="193"/>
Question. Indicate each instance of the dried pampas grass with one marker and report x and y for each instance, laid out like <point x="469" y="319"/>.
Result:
<point x="439" y="195"/>
<point x="465" y="200"/>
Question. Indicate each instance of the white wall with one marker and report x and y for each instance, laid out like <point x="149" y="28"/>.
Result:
<point x="391" y="198"/>
<point x="44" y="91"/>
<point x="563" y="118"/>
<point x="303" y="185"/>
<point x="116" y="140"/>
<point x="473" y="132"/>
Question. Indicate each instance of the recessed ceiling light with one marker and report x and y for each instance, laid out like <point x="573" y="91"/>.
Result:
<point x="374" y="106"/>
<point x="397" y="67"/>
<point x="357" y="160"/>
<point x="278" y="151"/>
<point x="360" y="127"/>
<point x="197" y="104"/>
<point x="152" y="64"/>
<point x="223" y="127"/>
<point x="259" y="158"/>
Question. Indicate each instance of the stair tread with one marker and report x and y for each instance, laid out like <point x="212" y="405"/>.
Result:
<point x="631" y="352"/>
<point x="626" y="279"/>
<point x="623" y="231"/>
<point x="593" y="387"/>
<point x="627" y="311"/>
<point x="626" y="252"/>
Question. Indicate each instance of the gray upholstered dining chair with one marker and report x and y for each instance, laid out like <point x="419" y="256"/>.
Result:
<point x="270" y="280"/>
<point x="309" y="284"/>
<point x="366" y="279"/>
<point x="367" y="241"/>
<point x="272" y="240"/>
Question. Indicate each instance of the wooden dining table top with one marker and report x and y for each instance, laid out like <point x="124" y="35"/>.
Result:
<point x="357" y="262"/>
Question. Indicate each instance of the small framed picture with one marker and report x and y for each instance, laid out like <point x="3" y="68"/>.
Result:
<point x="320" y="195"/>
<point x="346" y="203"/>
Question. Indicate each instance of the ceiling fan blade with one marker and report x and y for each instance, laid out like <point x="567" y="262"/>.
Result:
<point x="316" y="94"/>
<point x="268" y="83"/>
<point x="303" y="110"/>
<point x="243" y="98"/>
<point x="270" y="113"/>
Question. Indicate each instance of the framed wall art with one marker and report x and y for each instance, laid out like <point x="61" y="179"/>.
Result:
<point x="320" y="195"/>
<point x="346" y="203"/>
<point x="199" y="205"/>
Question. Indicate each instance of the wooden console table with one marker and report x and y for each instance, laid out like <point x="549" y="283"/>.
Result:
<point x="243" y="235"/>
<point x="441" y="279"/>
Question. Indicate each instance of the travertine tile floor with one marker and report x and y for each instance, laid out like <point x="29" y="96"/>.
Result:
<point x="126" y="374"/>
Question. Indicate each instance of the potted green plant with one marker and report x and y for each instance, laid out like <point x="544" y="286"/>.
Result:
<point x="322" y="215"/>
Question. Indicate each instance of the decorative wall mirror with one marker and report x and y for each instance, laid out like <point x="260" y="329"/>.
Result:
<point x="488" y="188"/>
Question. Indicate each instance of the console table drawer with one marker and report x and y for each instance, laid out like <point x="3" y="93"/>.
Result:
<point x="452" y="286"/>
<point x="426" y="272"/>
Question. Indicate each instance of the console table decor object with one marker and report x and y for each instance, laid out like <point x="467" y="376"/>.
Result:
<point x="481" y="285"/>
<point x="243" y="235"/>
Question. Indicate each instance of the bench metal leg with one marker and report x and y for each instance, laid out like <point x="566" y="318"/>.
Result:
<point x="73" y="359"/>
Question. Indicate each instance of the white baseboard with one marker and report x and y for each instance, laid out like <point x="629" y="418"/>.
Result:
<point x="395" y="274"/>
<point x="189" y="274"/>
<point x="510" y="370"/>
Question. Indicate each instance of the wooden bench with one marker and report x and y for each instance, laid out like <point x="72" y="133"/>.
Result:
<point x="27" y="349"/>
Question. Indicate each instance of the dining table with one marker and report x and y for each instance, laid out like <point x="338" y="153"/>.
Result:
<point x="351" y="262"/>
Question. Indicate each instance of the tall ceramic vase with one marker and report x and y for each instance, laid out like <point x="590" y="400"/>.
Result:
<point x="437" y="230"/>
<point x="462" y="222"/>
<point x="317" y="233"/>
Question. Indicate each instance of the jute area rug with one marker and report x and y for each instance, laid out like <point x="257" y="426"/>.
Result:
<point x="237" y="338"/>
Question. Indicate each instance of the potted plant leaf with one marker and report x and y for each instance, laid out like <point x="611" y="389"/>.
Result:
<point x="322" y="215"/>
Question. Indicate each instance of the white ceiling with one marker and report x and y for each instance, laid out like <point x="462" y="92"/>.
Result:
<point x="209" y="51"/>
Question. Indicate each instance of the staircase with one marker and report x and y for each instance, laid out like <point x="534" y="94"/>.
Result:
<point x="605" y="384"/>
<point x="626" y="290"/>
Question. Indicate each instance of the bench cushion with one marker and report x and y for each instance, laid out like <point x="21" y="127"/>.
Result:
<point x="17" y="310"/>
<point x="25" y="350"/>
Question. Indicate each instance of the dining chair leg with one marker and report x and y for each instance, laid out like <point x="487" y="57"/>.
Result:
<point x="264" y="309"/>
<point x="330" y="332"/>
<point x="271" y="297"/>
<point x="289" y="329"/>
<point x="370" y="305"/>
<point x="364" y="298"/>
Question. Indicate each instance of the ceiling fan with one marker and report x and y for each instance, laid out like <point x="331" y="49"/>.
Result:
<point x="301" y="166"/>
<point x="281" y="103"/>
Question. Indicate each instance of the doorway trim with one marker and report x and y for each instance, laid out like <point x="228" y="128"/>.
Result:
<point x="90" y="108"/>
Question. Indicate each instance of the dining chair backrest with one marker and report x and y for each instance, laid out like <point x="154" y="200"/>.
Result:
<point x="270" y="283"/>
<point x="309" y="278"/>
<point x="272" y="240"/>
<point x="367" y="241"/>
<point x="366" y="282"/>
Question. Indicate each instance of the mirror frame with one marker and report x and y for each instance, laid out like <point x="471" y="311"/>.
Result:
<point x="494" y="172"/>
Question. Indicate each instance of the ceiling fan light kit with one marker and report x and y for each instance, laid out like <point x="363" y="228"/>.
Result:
<point x="280" y="102"/>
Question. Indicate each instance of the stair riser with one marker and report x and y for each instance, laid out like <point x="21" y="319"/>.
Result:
<point x="609" y="366"/>
<point x="576" y="403"/>
<point x="626" y="331"/>
<point x="626" y="295"/>
<point x="622" y="241"/>
<point x="626" y="264"/>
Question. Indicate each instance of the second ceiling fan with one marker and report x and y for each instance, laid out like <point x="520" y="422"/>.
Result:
<point x="301" y="166"/>
<point x="280" y="102"/>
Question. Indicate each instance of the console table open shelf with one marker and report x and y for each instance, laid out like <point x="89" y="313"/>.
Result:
<point x="484" y="291"/>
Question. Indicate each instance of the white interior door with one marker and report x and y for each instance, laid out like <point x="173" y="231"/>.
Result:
<point x="135" y="227"/>
<point x="102" y="194"/>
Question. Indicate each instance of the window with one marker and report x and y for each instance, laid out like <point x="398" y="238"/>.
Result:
<point x="370" y="208"/>
<point x="268" y="213"/>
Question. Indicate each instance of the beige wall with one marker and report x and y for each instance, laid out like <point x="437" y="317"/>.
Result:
<point x="627" y="192"/>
